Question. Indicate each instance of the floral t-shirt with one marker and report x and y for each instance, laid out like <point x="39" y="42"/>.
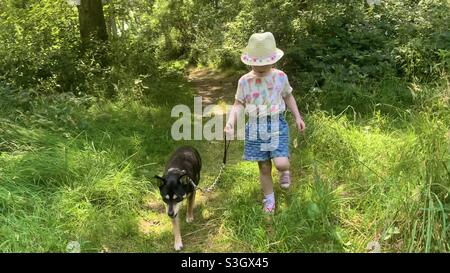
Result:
<point x="264" y="94"/>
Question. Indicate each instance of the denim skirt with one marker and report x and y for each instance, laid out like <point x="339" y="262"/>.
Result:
<point x="266" y="138"/>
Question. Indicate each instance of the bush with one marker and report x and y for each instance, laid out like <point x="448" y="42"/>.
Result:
<point x="349" y="38"/>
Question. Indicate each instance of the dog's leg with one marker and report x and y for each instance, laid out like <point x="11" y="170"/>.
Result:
<point x="190" y="208"/>
<point x="176" y="232"/>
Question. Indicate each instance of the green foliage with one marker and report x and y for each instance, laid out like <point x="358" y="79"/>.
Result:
<point x="83" y="131"/>
<point x="37" y="44"/>
<point x="77" y="169"/>
<point x="41" y="53"/>
<point x="346" y="38"/>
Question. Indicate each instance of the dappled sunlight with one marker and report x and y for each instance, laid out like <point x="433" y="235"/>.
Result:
<point x="213" y="86"/>
<point x="85" y="125"/>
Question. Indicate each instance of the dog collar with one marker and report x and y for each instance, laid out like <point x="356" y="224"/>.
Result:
<point x="183" y="171"/>
<point x="192" y="183"/>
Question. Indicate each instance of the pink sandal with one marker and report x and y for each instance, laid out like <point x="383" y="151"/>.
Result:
<point x="269" y="207"/>
<point x="285" y="180"/>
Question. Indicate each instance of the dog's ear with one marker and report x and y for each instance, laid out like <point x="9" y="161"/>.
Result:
<point x="161" y="180"/>
<point x="184" y="179"/>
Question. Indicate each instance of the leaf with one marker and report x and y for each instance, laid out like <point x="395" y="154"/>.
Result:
<point x="313" y="210"/>
<point x="391" y="231"/>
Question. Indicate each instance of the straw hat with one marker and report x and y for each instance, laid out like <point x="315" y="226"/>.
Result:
<point x="261" y="50"/>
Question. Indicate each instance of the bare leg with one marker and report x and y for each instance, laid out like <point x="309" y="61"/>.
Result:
<point x="282" y="164"/>
<point x="265" y="176"/>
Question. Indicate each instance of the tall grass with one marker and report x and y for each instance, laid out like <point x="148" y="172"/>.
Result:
<point x="78" y="175"/>
<point x="74" y="170"/>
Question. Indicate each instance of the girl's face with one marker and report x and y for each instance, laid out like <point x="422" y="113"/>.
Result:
<point x="262" y="69"/>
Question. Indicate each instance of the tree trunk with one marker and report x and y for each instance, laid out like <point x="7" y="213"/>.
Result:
<point x="113" y="25"/>
<point x="94" y="35"/>
<point x="92" y="21"/>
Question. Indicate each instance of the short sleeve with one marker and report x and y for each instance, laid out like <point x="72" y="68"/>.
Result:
<point x="240" y="92"/>
<point x="287" y="88"/>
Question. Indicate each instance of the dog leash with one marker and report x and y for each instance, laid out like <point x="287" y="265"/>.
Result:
<point x="224" y="162"/>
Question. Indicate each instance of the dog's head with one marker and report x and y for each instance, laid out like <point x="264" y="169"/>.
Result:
<point x="172" y="187"/>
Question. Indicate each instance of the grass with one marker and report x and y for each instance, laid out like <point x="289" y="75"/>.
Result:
<point x="75" y="169"/>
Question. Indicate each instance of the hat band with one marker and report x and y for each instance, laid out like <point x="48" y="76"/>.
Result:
<point x="247" y="57"/>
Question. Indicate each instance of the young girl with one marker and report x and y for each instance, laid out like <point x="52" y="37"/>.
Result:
<point x="265" y="92"/>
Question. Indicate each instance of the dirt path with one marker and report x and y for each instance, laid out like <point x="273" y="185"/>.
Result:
<point x="213" y="86"/>
<point x="205" y="233"/>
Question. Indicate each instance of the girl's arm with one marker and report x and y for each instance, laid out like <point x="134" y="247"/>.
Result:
<point x="292" y="105"/>
<point x="234" y="115"/>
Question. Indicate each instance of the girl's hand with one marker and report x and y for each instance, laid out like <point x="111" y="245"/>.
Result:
<point x="300" y="125"/>
<point x="229" y="130"/>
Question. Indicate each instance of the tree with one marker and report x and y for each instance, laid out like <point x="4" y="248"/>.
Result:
<point x="92" y="21"/>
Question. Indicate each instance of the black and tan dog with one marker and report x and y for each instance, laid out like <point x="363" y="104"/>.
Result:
<point x="180" y="180"/>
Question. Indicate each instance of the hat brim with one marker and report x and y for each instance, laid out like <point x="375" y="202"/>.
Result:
<point x="256" y="61"/>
